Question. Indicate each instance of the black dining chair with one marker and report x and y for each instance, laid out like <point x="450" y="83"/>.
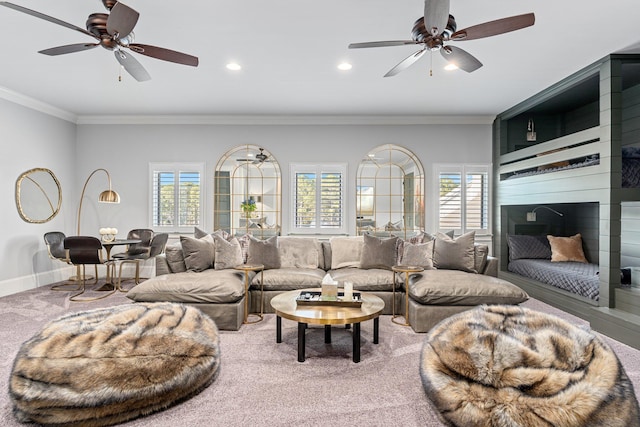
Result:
<point x="158" y="243"/>
<point x="54" y="240"/>
<point x="83" y="251"/>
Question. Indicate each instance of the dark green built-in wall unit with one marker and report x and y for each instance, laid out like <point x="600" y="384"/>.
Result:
<point x="581" y="125"/>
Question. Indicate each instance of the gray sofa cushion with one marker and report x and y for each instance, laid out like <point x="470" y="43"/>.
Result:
<point x="481" y="253"/>
<point x="374" y="279"/>
<point x="453" y="287"/>
<point x="455" y="254"/>
<point x="209" y="286"/>
<point x="175" y="258"/>
<point x="300" y="252"/>
<point x="346" y="251"/>
<point x="378" y="253"/>
<point x="286" y="279"/>
<point x="198" y="253"/>
<point x="418" y="254"/>
<point x="264" y="252"/>
<point x="228" y="253"/>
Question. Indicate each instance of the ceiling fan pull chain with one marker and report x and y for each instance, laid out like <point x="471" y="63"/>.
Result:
<point x="431" y="64"/>
<point x="120" y="74"/>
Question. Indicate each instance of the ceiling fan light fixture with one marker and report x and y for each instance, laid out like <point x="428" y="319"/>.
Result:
<point x="451" y="66"/>
<point x="234" y="66"/>
<point x="344" y="66"/>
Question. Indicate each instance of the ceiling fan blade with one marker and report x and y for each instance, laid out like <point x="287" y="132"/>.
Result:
<point x="46" y="17"/>
<point x="436" y="16"/>
<point x="121" y="20"/>
<point x="164" y="54"/>
<point x="461" y="58"/>
<point x="493" y="28"/>
<point x="405" y="63"/>
<point x="70" y="48"/>
<point x="132" y="66"/>
<point x="382" y="44"/>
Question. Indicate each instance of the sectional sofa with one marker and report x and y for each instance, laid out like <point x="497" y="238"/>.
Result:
<point x="201" y="271"/>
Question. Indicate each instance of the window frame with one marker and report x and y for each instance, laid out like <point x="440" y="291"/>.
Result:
<point x="464" y="170"/>
<point x="319" y="169"/>
<point x="176" y="168"/>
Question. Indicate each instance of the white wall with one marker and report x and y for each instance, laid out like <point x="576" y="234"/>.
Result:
<point x="33" y="139"/>
<point x="126" y="150"/>
<point x="30" y="139"/>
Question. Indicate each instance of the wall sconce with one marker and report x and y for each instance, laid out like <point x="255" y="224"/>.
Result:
<point x="531" y="216"/>
<point x="531" y="132"/>
<point x="107" y="196"/>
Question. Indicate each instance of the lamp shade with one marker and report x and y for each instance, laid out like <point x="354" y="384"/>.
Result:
<point x="109" y="196"/>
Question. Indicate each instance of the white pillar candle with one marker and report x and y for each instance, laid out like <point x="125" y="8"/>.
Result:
<point x="348" y="291"/>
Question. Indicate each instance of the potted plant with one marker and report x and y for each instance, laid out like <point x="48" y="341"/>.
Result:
<point x="248" y="206"/>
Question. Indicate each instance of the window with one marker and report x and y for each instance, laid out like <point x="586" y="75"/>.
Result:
<point x="462" y="207"/>
<point x="318" y="194"/>
<point x="176" y="196"/>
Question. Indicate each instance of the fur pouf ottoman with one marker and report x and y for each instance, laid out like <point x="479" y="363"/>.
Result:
<point x="511" y="366"/>
<point x="106" y="366"/>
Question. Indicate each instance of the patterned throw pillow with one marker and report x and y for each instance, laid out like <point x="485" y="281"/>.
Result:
<point x="418" y="254"/>
<point x="528" y="247"/>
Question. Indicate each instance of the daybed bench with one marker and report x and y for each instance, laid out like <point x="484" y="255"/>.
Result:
<point x="199" y="271"/>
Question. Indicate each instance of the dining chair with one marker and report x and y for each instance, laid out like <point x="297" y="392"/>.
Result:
<point x="158" y="244"/>
<point x="54" y="240"/>
<point x="83" y="251"/>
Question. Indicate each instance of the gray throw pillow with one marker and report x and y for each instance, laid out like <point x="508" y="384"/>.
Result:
<point x="455" y="254"/>
<point x="528" y="247"/>
<point x="228" y="253"/>
<point x="264" y="252"/>
<point x="198" y="253"/>
<point x="378" y="253"/>
<point x="175" y="258"/>
<point x="418" y="254"/>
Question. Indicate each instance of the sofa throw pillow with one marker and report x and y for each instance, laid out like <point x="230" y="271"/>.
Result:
<point x="418" y="254"/>
<point x="198" y="253"/>
<point x="378" y="253"/>
<point x="346" y="251"/>
<point x="455" y="254"/>
<point x="228" y="253"/>
<point x="299" y="252"/>
<point x="264" y="252"/>
<point x="481" y="254"/>
<point x="528" y="247"/>
<point x="175" y="258"/>
<point x="564" y="249"/>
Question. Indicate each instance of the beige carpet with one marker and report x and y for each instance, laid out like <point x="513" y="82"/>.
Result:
<point x="261" y="383"/>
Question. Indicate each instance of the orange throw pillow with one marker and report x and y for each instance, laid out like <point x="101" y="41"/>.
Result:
<point x="567" y="249"/>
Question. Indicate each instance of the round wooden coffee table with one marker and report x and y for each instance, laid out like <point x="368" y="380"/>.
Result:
<point x="285" y="305"/>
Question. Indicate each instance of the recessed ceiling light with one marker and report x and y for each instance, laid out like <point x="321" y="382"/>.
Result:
<point x="345" y="66"/>
<point x="450" y="67"/>
<point x="233" y="66"/>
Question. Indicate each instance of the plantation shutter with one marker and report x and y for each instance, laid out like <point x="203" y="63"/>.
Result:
<point x="331" y="200"/>
<point x="305" y="200"/>
<point x="477" y="201"/>
<point x="450" y="201"/>
<point x="176" y="195"/>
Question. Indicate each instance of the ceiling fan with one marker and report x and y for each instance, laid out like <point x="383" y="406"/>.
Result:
<point x="433" y="32"/>
<point x="113" y="31"/>
<point x="260" y="157"/>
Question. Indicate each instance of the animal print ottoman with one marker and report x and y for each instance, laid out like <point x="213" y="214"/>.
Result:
<point x="511" y="366"/>
<point x="106" y="366"/>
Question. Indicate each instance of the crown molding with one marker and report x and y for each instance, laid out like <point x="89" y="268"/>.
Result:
<point x="34" y="104"/>
<point x="260" y="120"/>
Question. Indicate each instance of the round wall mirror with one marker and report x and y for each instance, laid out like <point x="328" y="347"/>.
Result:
<point x="390" y="193"/>
<point x="38" y="195"/>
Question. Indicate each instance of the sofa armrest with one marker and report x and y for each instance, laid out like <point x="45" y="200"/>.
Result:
<point x="491" y="267"/>
<point x="162" y="266"/>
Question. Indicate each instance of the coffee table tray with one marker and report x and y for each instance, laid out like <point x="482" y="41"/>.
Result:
<point x="314" y="298"/>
